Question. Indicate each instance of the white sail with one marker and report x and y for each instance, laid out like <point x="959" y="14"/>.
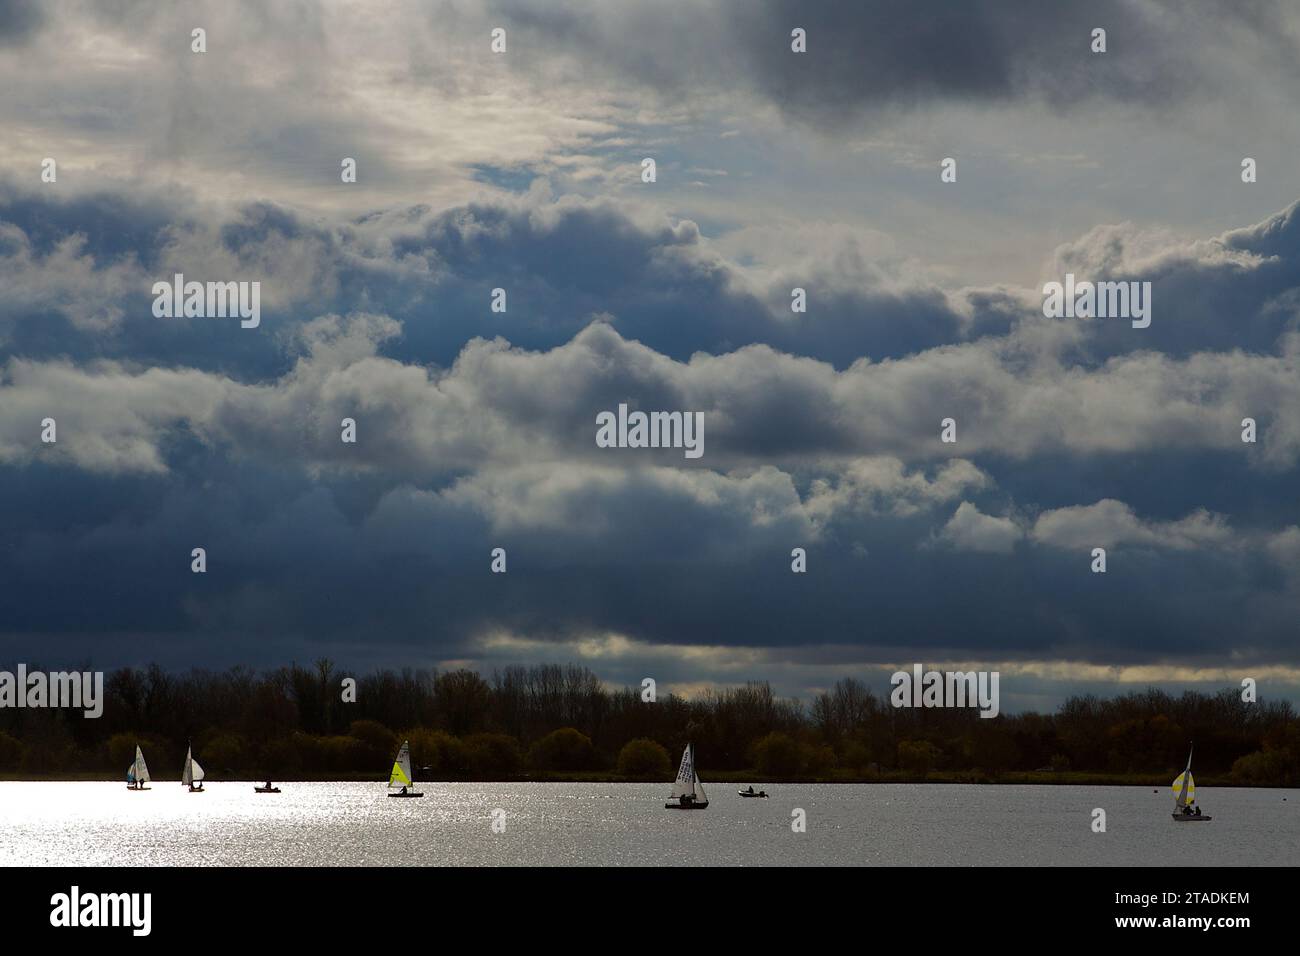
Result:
<point x="193" y="773"/>
<point x="139" y="772"/>
<point x="700" y="795"/>
<point x="401" y="775"/>
<point x="687" y="782"/>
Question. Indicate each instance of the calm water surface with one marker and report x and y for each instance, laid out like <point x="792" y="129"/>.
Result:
<point x="596" y="824"/>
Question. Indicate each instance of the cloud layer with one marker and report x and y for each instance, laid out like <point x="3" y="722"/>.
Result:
<point x="476" y="429"/>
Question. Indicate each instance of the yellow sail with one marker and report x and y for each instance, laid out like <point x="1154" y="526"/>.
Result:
<point x="1182" y="799"/>
<point x="401" y="775"/>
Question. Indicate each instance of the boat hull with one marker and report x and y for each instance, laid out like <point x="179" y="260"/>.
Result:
<point x="761" y="793"/>
<point x="265" y="790"/>
<point x="686" y="806"/>
<point x="404" y="796"/>
<point x="1190" y="818"/>
<point x="139" y="788"/>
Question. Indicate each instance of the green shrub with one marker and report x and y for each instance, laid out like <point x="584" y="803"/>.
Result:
<point x="493" y="756"/>
<point x="563" y="750"/>
<point x="918" y="756"/>
<point x="1265" y="768"/>
<point x="121" y="751"/>
<point x="777" y="755"/>
<point x="855" y="755"/>
<point x="646" y="758"/>
<point x="283" y="756"/>
<point x="445" y="756"/>
<point x="818" y="760"/>
<point x="225" y="752"/>
<point x="378" y="744"/>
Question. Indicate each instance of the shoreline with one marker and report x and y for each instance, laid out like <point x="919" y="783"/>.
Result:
<point x="936" y="778"/>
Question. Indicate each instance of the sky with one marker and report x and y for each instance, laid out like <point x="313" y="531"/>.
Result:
<point x="774" y="170"/>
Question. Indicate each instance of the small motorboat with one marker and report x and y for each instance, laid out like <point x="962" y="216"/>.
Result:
<point x="751" y="793"/>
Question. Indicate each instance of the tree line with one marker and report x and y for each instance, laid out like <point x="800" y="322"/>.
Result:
<point x="548" y="721"/>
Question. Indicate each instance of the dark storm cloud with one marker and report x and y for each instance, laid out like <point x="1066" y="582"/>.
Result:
<point x="19" y="21"/>
<point x="114" y="225"/>
<point x="201" y="437"/>
<point x="660" y="284"/>
<point x="309" y="552"/>
<point x="79" y="274"/>
<point x="671" y="301"/>
<point x="1240" y="290"/>
<point x="476" y="429"/>
<point x="288" y="568"/>
<point x="886" y="55"/>
<point x="561" y="264"/>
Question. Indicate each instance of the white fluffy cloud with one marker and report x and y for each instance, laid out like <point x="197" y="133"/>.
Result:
<point x="970" y="530"/>
<point x="1110" y="523"/>
<point x="501" y="404"/>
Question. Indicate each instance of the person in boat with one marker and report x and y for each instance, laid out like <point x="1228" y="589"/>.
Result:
<point x="268" y="785"/>
<point x="687" y="799"/>
<point x="751" y="788"/>
<point x="402" y="791"/>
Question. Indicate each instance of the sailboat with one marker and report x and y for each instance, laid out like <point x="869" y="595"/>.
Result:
<point x="1184" y="787"/>
<point x="401" y="775"/>
<point x="137" y="775"/>
<point x="687" y="789"/>
<point x="192" y="776"/>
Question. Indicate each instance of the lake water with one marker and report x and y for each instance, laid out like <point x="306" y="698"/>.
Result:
<point x="340" y="824"/>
